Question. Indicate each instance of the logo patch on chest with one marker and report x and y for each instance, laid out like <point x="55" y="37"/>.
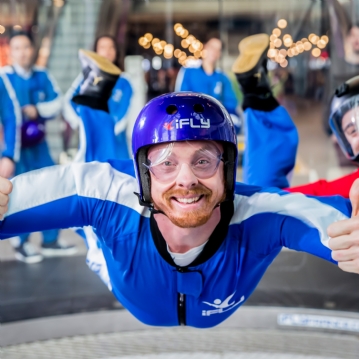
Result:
<point x="221" y="306"/>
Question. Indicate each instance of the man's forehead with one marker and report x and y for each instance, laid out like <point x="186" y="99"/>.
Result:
<point x="188" y="145"/>
<point x="349" y="114"/>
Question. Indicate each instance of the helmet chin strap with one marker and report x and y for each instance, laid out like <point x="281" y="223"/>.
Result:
<point x="148" y="205"/>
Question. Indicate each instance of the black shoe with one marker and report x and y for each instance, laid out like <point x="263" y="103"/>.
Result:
<point x="100" y="77"/>
<point x="57" y="249"/>
<point x="250" y="69"/>
<point x="27" y="253"/>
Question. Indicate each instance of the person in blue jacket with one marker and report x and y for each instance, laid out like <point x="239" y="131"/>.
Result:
<point x="271" y="137"/>
<point x="184" y="243"/>
<point x="32" y="97"/>
<point x="118" y="104"/>
<point x="97" y="138"/>
<point x="210" y="80"/>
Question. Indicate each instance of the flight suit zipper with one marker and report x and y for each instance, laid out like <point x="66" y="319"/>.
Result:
<point x="181" y="307"/>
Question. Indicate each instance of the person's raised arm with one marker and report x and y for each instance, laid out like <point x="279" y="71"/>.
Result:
<point x="56" y="197"/>
<point x="305" y="220"/>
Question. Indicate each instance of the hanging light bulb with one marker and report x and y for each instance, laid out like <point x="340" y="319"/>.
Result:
<point x="316" y="52"/>
<point x="276" y="32"/>
<point x="282" y="23"/>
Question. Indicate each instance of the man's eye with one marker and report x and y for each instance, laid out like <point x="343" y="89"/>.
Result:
<point x="351" y="130"/>
<point x="167" y="163"/>
<point x="203" y="162"/>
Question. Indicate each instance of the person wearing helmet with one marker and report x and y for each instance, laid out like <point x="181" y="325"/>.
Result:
<point x="344" y="121"/>
<point x="184" y="243"/>
<point x="33" y="97"/>
<point x="268" y="127"/>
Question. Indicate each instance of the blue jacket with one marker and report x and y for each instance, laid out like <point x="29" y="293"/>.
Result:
<point x="216" y="85"/>
<point x="39" y="89"/>
<point x="252" y="231"/>
<point x="118" y="104"/>
<point x="271" y="141"/>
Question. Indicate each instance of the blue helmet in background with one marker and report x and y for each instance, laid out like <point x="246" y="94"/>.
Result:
<point x="32" y="133"/>
<point x="183" y="116"/>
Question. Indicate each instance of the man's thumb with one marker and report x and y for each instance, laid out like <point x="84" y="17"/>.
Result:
<point x="354" y="197"/>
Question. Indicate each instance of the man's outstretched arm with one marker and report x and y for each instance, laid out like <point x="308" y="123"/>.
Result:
<point x="54" y="197"/>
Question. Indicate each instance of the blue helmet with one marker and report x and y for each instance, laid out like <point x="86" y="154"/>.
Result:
<point x="183" y="116"/>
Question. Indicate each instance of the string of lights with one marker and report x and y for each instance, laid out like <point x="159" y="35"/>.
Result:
<point x="281" y="48"/>
<point x="161" y="47"/>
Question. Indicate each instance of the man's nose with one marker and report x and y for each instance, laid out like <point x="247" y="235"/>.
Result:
<point x="186" y="178"/>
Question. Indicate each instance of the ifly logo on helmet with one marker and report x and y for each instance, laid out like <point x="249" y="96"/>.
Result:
<point x="203" y="123"/>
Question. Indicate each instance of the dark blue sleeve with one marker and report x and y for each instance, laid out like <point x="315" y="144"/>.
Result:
<point x="58" y="197"/>
<point x="301" y="235"/>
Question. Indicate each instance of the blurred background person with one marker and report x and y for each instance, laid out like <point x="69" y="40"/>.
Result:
<point x="118" y="104"/>
<point x="210" y="80"/>
<point x="271" y="137"/>
<point x="91" y="103"/>
<point x="34" y="97"/>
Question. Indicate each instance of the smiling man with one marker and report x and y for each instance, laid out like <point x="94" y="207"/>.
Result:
<point x="183" y="242"/>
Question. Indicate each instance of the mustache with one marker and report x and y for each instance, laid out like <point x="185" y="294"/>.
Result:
<point x="198" y="190"/>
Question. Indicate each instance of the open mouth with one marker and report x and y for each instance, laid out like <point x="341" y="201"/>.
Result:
<point x="188" y="200"/>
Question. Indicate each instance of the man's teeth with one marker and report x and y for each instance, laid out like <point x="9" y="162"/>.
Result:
<point x="188" y="200"/>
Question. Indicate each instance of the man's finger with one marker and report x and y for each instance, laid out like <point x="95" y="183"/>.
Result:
<point x="344" y="255"/>
<point x="349" y="266"/>
<point x="340" y="228"/>
<point x="354" y="197"/>
<point x="341" y="242"/>
<point x="4" y="199"/>
<point x="5" y="186"/>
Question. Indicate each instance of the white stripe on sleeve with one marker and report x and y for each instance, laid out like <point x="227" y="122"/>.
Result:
<point x="51" y="108"/>
<point x="309" y="210"/>
<point x="91" y="180"/>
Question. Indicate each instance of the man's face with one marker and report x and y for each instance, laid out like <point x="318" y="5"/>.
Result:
<point x="349" y="126"/>
<point x="21" y="51"/>
<point x="188" y="201"/>
<point x="213" y="50"/>
<point x="353" y="39"/>
<point x="106" y="48"/>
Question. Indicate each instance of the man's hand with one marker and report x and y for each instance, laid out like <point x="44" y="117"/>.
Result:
<point x="5" y="190"/>
<point x="344" y="241"/>
<point x="30" y="111"/>
<point x="7" y="167"/>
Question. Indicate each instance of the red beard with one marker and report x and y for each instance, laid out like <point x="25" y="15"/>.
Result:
<point x="190" y="218"/>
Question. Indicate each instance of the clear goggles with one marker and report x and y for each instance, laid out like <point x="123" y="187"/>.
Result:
<point x="165" y="163"/>
<point x="345" y="125"/>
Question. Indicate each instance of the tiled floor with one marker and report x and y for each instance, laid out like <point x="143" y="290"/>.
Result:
<point x="180" y="343"/>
